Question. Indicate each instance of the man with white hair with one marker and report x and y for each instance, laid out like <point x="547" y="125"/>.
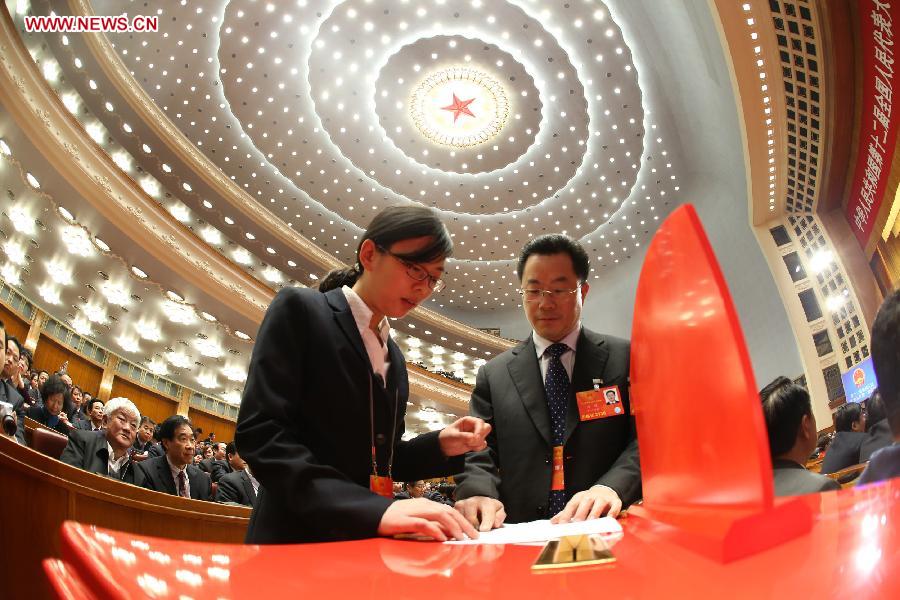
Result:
<point x="106" y="452"/>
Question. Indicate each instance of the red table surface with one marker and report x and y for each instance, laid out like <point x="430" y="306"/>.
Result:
<point x="852" y="552"/>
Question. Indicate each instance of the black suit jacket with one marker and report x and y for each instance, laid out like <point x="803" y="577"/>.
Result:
<point x="843" y="451"/>
<point x="156" y="475"/>
<point x="517" y="465"/>
<point x="236" y="487"/>
<point x="793" y="479"/>
<point x="87" y="450"/>
<point x="304" y="424"/>
<point x="220" y="468"/>
<point x="10" y="395"/>
<point x="878" y="436"/>
<point x="205" y="465"/>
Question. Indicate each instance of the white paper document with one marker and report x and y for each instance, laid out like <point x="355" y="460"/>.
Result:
<point x="539" y="532"/>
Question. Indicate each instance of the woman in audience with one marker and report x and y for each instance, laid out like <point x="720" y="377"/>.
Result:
<point x="52" y="412"/>
<point x="322" y="414"/>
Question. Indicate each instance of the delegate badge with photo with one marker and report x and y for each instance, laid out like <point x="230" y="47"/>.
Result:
<point x="383" y="486"/>
<point x="599" y="403"/>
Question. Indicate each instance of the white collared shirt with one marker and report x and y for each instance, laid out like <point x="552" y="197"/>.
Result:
<point x="175" y="471"/>
<point x="376" y="347"/>
<point x="567" y="358"/>
<point x="115" y="465"/>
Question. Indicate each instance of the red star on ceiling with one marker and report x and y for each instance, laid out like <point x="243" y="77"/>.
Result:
<point x="459" y="107"/>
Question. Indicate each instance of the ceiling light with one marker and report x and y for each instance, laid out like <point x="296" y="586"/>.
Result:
<point x="180" y="212"/>
<point x="834" y="303"/>
<point x="82" y="326"/>
<point x="157" y="367"/>
<point x="821" y="261"/>
<point x="148" y="331"/>
<point x="174" y="296"/>
<point x="272" y="275"/>
<point x="179" y="313"/>
<point x="49" y="293"/>
<point x="209" y="348"/>
<point x="242" y="335"/>
<point x="94" y="313"/>
<point x="22" y="221"/>
<point x="59" y="273"/>
<point x="10" y="274"/>
<point x="115" y="294"/>
<point x="138" y="273"/>
<point x="235" y="373"/>
<point x="211" y="236"/>
<point x="208" y="317"/>
<point x="15" y="252"/>
<point x="128" y="344"/>
<point x="208" y="381"/>
<point x="178" y="359"/>
<point x="232" y="397"/>
<point x="77" y="241"/>
<point x="65" y="213"/>
<point x="241" y="256"/>
<point x="101" y="244"/>
<point x="4" y="148"/>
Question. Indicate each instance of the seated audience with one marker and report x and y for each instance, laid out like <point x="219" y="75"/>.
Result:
<point x="792" y="437"/>
<point x="106" y="452"/>
<point x="224" y="466"/>
<point x="52" y="412"/>
<point x="173" y="473"/>
<point x="211" y="454"/>
<point x="239" y="486"/>
<point x="411" y="489"/>
<point x="885" y="346"/>
<point x="878" y="432"/>
<point x="850" y="427"/>
<point x="74" y="413"/>
<point x="94" y="422"/>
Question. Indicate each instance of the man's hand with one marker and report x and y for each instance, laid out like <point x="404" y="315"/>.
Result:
<point x="424" y="517"/>
<point x="590" y="504"/>
<point x="139" y="457"/>
<point x="464" y="435"/>
<point x="482" y="512"/>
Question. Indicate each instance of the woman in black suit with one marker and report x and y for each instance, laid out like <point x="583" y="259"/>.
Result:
<point x="322" y="413"/>
<point x="57" y="401"/>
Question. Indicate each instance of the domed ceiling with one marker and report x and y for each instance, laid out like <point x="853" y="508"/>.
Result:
<point x="275" y="131"/>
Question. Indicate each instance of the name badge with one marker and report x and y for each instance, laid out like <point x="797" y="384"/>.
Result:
<point x="383" y="486"/>
<point x="558" y="481"/>
<point x="599" y="403"/>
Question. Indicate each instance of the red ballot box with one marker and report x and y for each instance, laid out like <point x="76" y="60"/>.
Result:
<point x="852" y="551"/>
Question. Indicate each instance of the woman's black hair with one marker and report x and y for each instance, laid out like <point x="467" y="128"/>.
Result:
<point x="391" y="225"/>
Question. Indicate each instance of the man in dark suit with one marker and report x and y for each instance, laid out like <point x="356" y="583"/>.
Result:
<point x="546" y="457"/>
<point x="8" y="391"/>
<point x="850" y="432"/>
<point x="792" y="438"/>
<point x="94" y="422"/>
<point x="215" y="462"/>
<point x="173" y="473"/>
<point x="878" y="430"/>
<point x="231" y="463"/>
<point x="238" y="485"/>
<point x="107" y="452"/>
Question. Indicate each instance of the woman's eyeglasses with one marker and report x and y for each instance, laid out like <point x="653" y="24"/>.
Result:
<point x="415" y="271"/>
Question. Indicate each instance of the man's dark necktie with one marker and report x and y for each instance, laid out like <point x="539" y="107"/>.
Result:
<point x="182" y="485"/>
<point x="557" y="387"/>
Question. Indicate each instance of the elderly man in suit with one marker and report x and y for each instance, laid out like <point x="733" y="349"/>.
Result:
<point x="107" y="452"/>
<point x="792" y="438"/>
<point x="173" y="473"/>
<point x="557" y="450"/>
<point x="238" y="485"/>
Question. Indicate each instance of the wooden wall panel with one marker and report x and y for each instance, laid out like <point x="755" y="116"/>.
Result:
<point x="15" y="325"/>
<point x="223" y="428"/>
<point x="50" y="355"/>
<point x="154" y="405"/>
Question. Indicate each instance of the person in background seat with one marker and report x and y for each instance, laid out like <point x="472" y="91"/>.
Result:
<point x="173" y="473"/>
<point x="850" y="428"/>
<point x="108" y="451"/>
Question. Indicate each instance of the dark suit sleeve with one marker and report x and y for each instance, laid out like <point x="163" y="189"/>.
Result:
<point x="74" y="451"/>
<point x="316" y="494"/>
<point x="201" y="485"/>
<point x="228" y="491"/>
<point x="625" y="475"/>
<point x="482" y="474"/>
<point x="422" y="458"/>
<point x="144" y="479"/>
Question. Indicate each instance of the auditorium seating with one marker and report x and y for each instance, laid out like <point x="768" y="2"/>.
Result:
<point x="39" y="493"/>
<point x="48" y="442"/>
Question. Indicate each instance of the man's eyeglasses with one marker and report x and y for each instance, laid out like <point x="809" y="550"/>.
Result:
<point x="535" y="295"/>
<point x="415" y="271"/>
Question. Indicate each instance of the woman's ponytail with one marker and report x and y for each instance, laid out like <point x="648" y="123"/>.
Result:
<point x="338" y="278"/>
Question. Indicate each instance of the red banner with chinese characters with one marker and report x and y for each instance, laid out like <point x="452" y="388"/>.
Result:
<point x="878" y="20"/>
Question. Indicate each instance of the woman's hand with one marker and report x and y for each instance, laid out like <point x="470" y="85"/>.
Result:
<point x="426" y="518"/>
<point x="465" y="435"/>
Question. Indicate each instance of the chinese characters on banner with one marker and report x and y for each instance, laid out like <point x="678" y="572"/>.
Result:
<point x="879" y="20"/>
